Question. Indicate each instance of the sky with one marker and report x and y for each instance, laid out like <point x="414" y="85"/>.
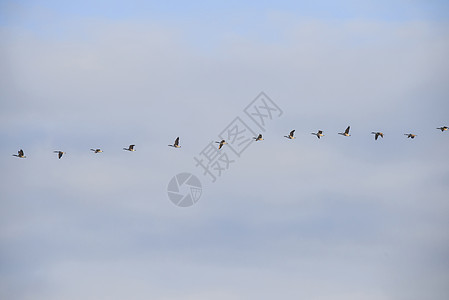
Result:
<point x="330" y="218"/>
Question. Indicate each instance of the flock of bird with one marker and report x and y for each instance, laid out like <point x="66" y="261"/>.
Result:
<point x="319" y="134"/>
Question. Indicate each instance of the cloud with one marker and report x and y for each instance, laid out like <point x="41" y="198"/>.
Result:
<point x="348" y="217"/>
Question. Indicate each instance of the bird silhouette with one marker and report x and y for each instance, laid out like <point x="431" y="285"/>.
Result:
<point x="346" y="133"/>
<point x="290" y="136"/>
<point x="176" y="143"/>
<point x="20" y="154"/>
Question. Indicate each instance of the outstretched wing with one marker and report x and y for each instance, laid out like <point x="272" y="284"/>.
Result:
<point x="292" y="132"/>
<point x="20" y="152"/>
<point x="177" y="141"/>
<point x="60" y="153"/>
<point x="347" y="130"/>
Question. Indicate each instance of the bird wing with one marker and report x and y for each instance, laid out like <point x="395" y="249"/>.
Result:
<point x="347" y="130"/>
<point x="292" y="132"/>
<point x="177" y="141"/>
<point x="131" y="147"/>
<point x="60" y="154"/>
<point x="20" y="152"/>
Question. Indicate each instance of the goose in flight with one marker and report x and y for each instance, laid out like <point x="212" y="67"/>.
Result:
<point x="410" y="135"/>
<point x="96" y="150"/>
<point x="130" y="148"/>
<point x="176" y="144"/>
<point x="222" y="142"/>
<point x="290" y="136"/>
<point x="258" y="138"/>
<point x="346" y="133"/>
<point x="60" y="153"/>
<point x="444" y="128"/>
<point x="20" y="154"/>
<point x="377" y="134"/>
<point x="319" y="134"/>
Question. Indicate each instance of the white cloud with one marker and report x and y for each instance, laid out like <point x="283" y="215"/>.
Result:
<point x="347" y="217"/>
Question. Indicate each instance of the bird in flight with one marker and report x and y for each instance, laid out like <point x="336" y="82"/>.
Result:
<point x="444" y="128"/>
<point x="222" y="142"/>
<point x="130" y="148"/>
<point x="60" y="153"/>
<point x="258" y="138"/>
<point x="176" y="144"/>
<point x="377" y="134"/>
<point x="290" y="136"/>
<point x="319" y="134"/>
<point x="346" y="133"/>
<point x="410" y="135"/>
<point x="20" y="154"/>
<point x="96" y="150"/>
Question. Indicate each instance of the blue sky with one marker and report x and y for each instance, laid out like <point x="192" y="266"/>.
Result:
<point x="384" y="10"/>
<point x="340" y="218"/>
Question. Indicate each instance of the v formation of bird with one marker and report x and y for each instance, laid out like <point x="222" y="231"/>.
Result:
<point x="290" y="136"/>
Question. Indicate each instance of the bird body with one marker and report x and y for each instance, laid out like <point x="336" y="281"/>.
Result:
<point x="258" y="138"/>
<point x="319" y="134"/>
<point x="96" y="150"/>
<point x="290" y="136"/>
<point x="444" y="128"/>
<point x="20" y="154"/>
<point x="222" y="142"/>
<point x="377" y="134"/>
<point x="410" y="135"/>
<point x="346" y="133"/>
<point x="60" y="153"/>
<point x="130" y="148"/>
<point x="176" y="143"/>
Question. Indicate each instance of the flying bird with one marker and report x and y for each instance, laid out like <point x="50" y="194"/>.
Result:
<point x="20" y="154"/>
<point x="377" y="134"/>
<point x="176" y="144"/>
<point x="222" y="142"/>
<point x="346" y="133"/>
<point x="96" y="150"/>
<point x="130" y="148"/>
<point x="410" y="135"/>
<point x="290" y="136"/>
<point x="319" y="134"/>
<point x="444" y="128"/>
<point x="60" y="153"/>
<point x="258" y="138"/>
